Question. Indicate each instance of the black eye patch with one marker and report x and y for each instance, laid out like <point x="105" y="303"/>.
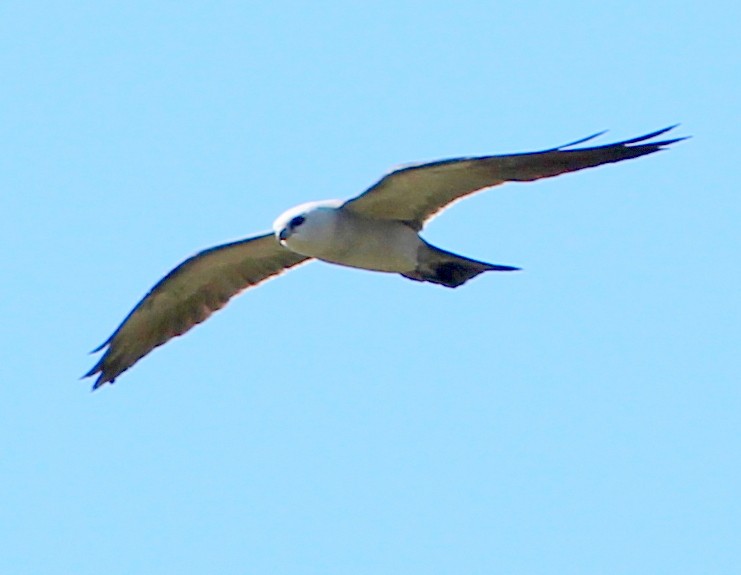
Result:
<point x="297" y="221"/>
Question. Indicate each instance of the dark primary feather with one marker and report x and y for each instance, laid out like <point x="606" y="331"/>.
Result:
<point x="415" y="194"/>
<point x="188" y="295"/>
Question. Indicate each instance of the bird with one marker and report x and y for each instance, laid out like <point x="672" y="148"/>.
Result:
<point x="377" y="230"/>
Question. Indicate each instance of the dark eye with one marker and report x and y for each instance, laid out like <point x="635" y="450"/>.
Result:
<point x="297" y="221"/>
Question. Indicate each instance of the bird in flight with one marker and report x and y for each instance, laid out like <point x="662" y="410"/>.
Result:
<point x="377" y="230"/>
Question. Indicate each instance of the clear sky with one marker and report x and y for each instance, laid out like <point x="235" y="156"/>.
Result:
<point x="578" y="417"/>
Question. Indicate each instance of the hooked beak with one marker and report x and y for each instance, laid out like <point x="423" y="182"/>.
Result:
<point x="284" y="234"/>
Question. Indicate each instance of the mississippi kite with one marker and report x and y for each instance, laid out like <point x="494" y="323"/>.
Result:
<point x="377" y="230"/>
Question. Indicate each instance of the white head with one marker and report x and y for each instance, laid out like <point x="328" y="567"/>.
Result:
<point x="306" y="228"/>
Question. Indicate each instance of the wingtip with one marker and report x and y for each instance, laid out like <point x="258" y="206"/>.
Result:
<point x="636" y="140"/>
<point x="95" y="369"/>
<point x="101" y="381"/>
<point x="581" y="140"/>
<point x="103" y="378"/>
<point x="654" y="135"/>
<point x="101" y="346"/>
<point x="664" y="143"/>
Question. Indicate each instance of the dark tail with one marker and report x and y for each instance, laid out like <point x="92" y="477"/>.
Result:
<point x="448" y="269"/>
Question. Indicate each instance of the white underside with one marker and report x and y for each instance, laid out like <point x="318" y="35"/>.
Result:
<point x="341" y="237"/>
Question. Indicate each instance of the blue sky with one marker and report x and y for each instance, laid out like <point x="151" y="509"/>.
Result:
<point x="580" y="416"/>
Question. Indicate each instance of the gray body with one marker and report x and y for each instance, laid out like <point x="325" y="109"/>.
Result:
<point x="327" y="231"/>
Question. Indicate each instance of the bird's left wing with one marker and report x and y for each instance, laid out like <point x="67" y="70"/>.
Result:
<point x="416" y="193"/>
<point x="187" y="296"/>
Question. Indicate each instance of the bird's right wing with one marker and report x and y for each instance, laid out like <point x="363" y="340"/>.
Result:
<point x="188" y="295"/>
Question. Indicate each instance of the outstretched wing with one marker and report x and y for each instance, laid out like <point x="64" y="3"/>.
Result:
<point x="187" y="296"/>
<point x="416" y="193"/>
